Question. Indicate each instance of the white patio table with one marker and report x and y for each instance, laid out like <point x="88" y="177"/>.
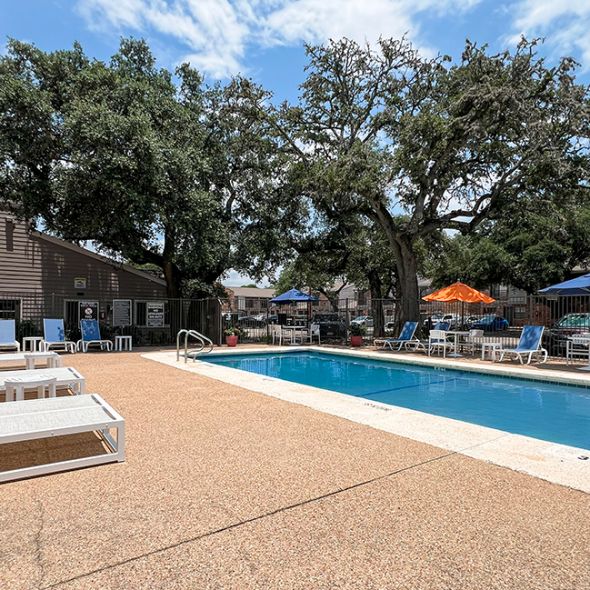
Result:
<point x="295" y="331"/>
<point x="456" y="334"/>
<point x="580" y="340"/>
<point x="65" y="377"/>
<point x="30" y="359"/>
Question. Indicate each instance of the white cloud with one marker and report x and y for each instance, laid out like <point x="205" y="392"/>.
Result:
<point x="217" y="33"/>
<point x="564" y="23"/>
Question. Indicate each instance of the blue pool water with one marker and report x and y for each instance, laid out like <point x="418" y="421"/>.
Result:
<point x="552" y="412"/>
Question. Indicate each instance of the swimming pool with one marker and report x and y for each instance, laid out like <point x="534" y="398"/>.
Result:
<point x="548" y="411"/>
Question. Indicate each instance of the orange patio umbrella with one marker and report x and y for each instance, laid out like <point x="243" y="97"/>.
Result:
<point x="459" y="292"/>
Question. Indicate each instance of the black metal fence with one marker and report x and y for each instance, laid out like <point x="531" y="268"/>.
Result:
<point x="155" y="322"/>
<point x="151" y="322"/>
<point x="502" y="320"/>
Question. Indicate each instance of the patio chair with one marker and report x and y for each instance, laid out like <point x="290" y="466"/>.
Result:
<point x="528" y="345"/>
<point x="405" y="339"/>
<point x="8" y="339"/>
<point x="444" y="326"/>
<point x="276" y="332"/>
<point x="437" y="340"/>
<point x="54" y="336"/>
<point x="90" y="331"/>
<point x="473" y="341"/>
<point x="314" y="332"/>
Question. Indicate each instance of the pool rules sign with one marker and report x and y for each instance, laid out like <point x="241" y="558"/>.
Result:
<point x="121" y="312"/>
<point x="155" y="314"/>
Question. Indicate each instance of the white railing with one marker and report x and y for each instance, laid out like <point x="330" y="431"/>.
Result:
<point x="205" y="345"/>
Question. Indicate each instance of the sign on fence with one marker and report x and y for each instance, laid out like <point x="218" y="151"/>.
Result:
<point x="122" y="312"/>
<point x="155" y="314"/>
<point x="88" y="310"/>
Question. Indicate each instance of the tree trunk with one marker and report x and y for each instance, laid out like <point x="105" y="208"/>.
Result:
<point x="173" y="279"/>
<point x="407" y="267"/>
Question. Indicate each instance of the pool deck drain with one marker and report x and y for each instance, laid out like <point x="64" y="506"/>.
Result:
<point x="553" y="462"/>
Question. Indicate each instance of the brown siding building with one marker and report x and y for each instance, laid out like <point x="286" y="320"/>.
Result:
<point x="43" y="276"/>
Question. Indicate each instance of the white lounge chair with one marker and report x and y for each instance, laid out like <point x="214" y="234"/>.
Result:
<point x="59" y="416"/>
<point x="8" y="339"/>
<point x="54" y="336"/>
<point x="90" y="331"/>
<point x="65" y="377"/>
<point x="528" y="345"/>
<point x="30" y="359"/>
<point x="405" y="339"/>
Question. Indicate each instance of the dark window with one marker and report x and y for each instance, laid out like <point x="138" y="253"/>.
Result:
<point x="9" y="309"/>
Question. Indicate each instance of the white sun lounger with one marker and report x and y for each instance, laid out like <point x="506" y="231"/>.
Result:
<point x="45" y="418"/>
<point x="65" y="377"/>
<point x="29" y="359"/>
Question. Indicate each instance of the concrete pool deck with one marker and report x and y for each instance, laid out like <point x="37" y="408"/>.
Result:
<point x="227" y="488"/>
<point x="557" y="463"/>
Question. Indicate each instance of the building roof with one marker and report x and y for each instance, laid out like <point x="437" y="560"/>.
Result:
<point x="252" y="292"/>
<point x="100" y="257"/>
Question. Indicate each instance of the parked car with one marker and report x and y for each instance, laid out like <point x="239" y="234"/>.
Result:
<point x="490" y="323"/>
<point x="568" y="325"/>
<point x="363" y="320"/>
<point x="252" y="321"/>
<point x="332" y="326"/>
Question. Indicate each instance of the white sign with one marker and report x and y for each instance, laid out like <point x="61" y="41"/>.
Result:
<point x="155" y="314"/>
<point x="80" y="283"/>
<point x="122" y="312"/>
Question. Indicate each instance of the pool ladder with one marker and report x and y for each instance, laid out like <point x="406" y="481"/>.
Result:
<point x="205" y="345"/>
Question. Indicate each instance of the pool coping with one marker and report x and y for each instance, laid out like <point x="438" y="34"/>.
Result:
<point x="553" y="462"/>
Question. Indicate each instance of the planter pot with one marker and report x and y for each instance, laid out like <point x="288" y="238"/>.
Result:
<point x="231" y="340"/>
<point x="356" y="341"/>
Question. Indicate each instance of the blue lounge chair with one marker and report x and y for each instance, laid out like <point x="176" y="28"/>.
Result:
<point x="54" y="336"/>
<point x="406" y="338"/>
<point x="528" y="345"/>
<point x="8" y="339"/>
<point x="90" y="331"/>
<point x="444" y="326"/>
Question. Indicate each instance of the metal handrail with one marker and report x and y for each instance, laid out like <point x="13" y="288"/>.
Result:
<point x="203" y="341"/>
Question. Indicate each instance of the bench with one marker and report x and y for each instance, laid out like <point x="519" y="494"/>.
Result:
<point x="49" y="417"/>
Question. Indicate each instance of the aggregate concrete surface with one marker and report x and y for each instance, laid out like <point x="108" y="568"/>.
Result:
<point x="227" y="488"/>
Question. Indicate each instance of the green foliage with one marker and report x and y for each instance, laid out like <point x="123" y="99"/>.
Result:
<point x="155" y="171"/>
<point x="530" y="246"/>
<point x="357" y="330"/>
<point x="418" y="146"/>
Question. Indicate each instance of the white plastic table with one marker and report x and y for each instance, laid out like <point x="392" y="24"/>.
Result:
<point x="32" y="343"/>
<point x="295" y="331"/>
<point x="65" y="377"/>
<point x="30" y="359"/>
<point x="456" y="334"/>
<point x="579" y="340"/>
<point x="59" y="416"/>
<point x="123" y="343"/>
<point x="491" y="348"/>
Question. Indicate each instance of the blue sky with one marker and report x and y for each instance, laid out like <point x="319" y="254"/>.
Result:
<point x="264" y="38"/>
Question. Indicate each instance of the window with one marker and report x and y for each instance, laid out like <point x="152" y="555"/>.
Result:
<point x="152" y="314"/>
<point x="9" y="309"/>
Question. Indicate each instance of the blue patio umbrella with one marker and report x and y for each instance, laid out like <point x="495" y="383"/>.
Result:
<point x="577" y="286"/>
<point x="293" y="296"/>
